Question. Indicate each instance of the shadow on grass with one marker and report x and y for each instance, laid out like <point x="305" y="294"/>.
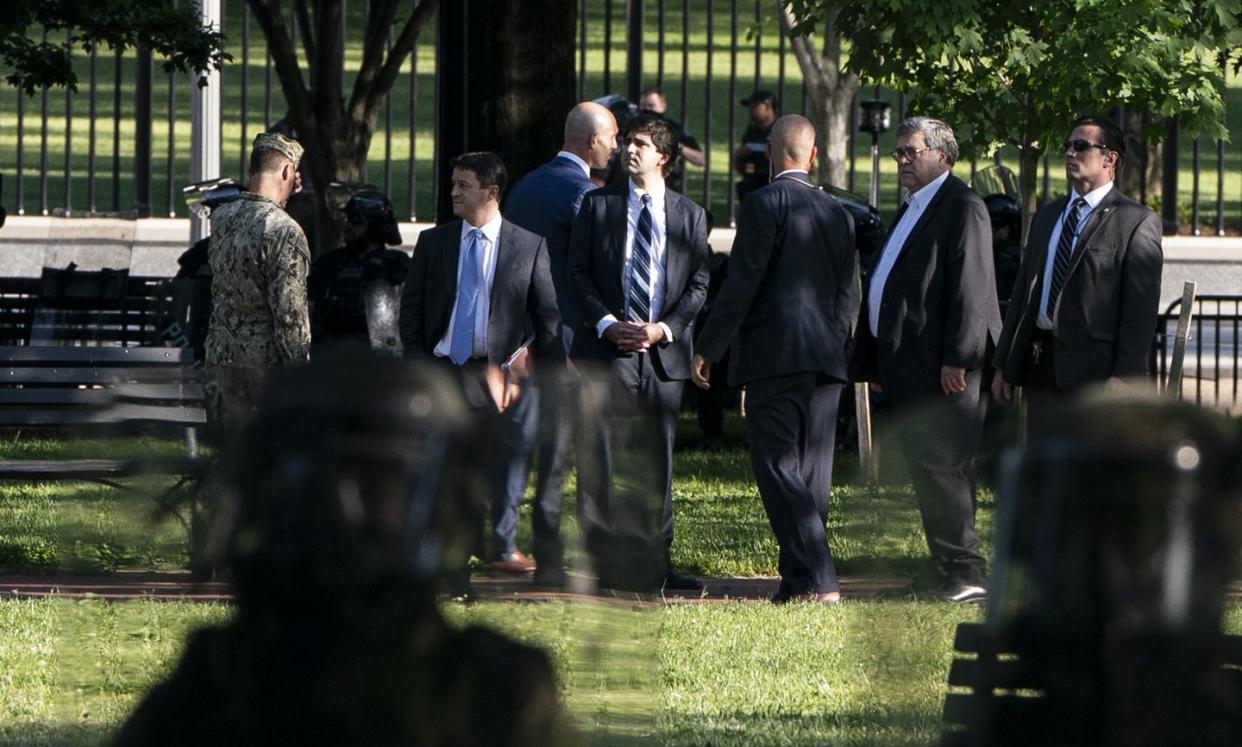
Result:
<point x="59" y="735"/>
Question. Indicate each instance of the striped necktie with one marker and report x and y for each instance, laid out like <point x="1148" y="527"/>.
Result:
<point x="461" y="346"/>
<point x="640" y="266"/>
<point x="1065" y="252"/>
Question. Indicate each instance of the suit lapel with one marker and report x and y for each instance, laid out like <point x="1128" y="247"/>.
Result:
<point x="1098" y="217"/>
<point x="926" y="217"/>
<point x="452" y="256"/>
<point x="676" y="236"/>
<point x="505" y="257"/>
<point x="1041" y="234"/>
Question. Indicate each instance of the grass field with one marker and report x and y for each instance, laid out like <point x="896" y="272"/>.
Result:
<point x="408" y="130"/>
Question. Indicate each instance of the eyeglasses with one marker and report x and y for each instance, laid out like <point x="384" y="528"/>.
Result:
<point x="1079" y="145"/>
<point x="907" y="153"/>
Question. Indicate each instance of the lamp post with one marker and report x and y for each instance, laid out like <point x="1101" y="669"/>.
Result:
<point x="874" y="117"/>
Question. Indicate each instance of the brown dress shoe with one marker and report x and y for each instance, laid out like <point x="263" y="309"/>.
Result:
<point x="515" y="562"/>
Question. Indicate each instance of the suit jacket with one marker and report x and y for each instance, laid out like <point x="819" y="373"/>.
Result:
<point x="790" y="293"/>
<point x="545" y="202"/>
<point x="597" y="261"/>
<point x="521" y="288"/>
<point x="1104" y="319"/>
<point x="939" y="303"/>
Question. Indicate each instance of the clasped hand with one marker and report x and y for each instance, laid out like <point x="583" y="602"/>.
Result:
<point x="633" y="337"/>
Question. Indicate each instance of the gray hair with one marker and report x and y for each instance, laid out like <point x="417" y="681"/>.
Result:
<point x="937" y="135"/>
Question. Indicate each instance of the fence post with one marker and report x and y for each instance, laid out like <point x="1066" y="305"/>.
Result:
<point x="205" y="123"/>
<point x="142" y="133"/>
<point x="634" y="49"/>
<point x="1168" y="197"/>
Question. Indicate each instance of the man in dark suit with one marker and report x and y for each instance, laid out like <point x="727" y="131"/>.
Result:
<point x="785" y="309"/>
<point x="638" y="272"/>
<point x="545" y="202"/>
<point x="928" y="316"/>
<point x="1086" y="298"/>
<point x="472" y="287"/>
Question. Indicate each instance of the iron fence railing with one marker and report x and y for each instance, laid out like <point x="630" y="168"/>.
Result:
<point x="120" y="144"/>
<point x="1210" y="369"/>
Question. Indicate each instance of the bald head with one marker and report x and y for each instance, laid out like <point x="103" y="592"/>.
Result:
<point x="591" y="133"/>
<point x="792" y="143"/>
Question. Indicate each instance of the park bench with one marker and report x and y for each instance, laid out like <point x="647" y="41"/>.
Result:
<point x="997" y="696"/>
<point x="98" y="391"/>
<point x="106" y="307"/>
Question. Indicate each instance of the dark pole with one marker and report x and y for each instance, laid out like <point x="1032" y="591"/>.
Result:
<point x="451" y="96"/>
<point x="142" y="133"/>
<point x="633" y="49"/>
<point x="1168" y="197"/>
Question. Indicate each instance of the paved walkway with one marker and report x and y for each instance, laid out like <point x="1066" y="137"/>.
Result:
<point x="178" y="586"/>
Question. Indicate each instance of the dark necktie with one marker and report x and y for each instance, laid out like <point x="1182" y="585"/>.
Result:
<point x="461" y="345"/>
<point x="1065" y="248"/>
<point x="640" y="266"/>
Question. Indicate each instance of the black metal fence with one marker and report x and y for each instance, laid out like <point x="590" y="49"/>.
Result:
<point x="120" y="144"/>
<point x="1210" y="369"/>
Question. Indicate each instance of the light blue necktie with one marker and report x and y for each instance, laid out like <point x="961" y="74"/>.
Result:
<point x="461" y="347"/>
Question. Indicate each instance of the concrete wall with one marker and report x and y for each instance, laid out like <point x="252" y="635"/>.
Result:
<point x="149" y="248"/>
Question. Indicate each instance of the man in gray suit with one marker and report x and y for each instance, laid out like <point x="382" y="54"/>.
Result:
<point x="784" y="311"/>
<point x="1086" y="298"/>
<point x="928" y="315"/>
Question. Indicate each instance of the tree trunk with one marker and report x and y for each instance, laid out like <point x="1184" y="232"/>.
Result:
<point x="830" y="93"/>
<point x="1029" y="156"/>
<point x="516" y="87"/>
<point x="1132" y="176"/>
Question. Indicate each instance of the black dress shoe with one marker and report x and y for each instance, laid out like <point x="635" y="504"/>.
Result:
<point x="680" y="582"/>
<point x="960" y="593"/>
<point x="550" y="578"/>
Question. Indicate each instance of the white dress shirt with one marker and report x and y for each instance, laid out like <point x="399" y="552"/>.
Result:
<point x="574" y="157"/>
<point x="1093" y="198"/>
<point x="659" y="254"/>
<point x="803" y="172"/>
<point x="489" y="244"/>
<point x="916" y="204"/>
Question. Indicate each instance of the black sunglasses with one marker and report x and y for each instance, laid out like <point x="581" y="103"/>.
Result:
<point x="1079" y="145"/>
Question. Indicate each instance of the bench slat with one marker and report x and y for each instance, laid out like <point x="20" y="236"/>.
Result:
<point x="1019" y="713"/>
<point x="43" y="355"/>
<point x="102" y="375"/>
<point x="1005" y="674"/>
<point x="179" y="392"/>
<point x="87" y="469"/>
<point x="119" y="414"/>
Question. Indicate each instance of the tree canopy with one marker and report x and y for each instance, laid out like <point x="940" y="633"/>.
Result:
<point x="1019" y="73"/>
<point x="34" y="61"/>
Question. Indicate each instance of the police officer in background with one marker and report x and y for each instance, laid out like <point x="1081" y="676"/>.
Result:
<point x="750" y="159"/>
<point x="259" y="262"/>
<point x="341" y="280"/>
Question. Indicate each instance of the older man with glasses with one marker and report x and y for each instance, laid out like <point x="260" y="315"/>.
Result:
<point x="928" y="314"/>
<point x="1086" y="298"/>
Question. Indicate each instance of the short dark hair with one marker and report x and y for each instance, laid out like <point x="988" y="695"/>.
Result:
<point x="662" y="135"/>
<point x="487" y="166"/>
<point x="1110" y="134"/>
<point x="267" y="160"/>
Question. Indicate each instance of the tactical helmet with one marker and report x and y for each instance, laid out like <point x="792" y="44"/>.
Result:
<point x="372" y="208"/>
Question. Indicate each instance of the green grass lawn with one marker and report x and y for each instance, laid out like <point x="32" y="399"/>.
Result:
<point x="411" y="132"/>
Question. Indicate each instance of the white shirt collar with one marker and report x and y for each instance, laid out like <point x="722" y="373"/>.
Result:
<point x="923" y="196"/>
<point x="586" y="169"/>
<point x="792" y="171"/>
<point x="1093" y="198"/>
<point x="491" y="229"/>
<point x="636" y="193"/>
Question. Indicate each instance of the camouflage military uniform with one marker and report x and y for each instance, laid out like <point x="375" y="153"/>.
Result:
<point x="259" y="320"/>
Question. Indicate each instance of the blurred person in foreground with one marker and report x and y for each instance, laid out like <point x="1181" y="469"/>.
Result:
<point x="352" y="488"/>
<point x="785" y="310"/>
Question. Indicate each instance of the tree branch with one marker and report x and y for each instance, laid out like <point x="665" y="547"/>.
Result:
<point x="402" y="46"/>
<point x="284" y="59"/>
<point x="328" y="63"/>
<point x="374" y="38"/>
<point x="802" y="48"/>
<point x="307" y="32"/>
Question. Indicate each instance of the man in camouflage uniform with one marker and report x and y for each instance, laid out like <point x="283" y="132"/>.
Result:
<point x="259" y="261"/>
